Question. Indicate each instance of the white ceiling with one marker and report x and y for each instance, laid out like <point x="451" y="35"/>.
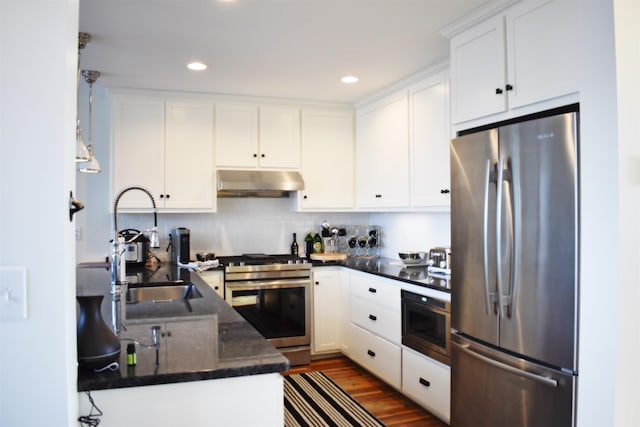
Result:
<point x="296" y="49"/>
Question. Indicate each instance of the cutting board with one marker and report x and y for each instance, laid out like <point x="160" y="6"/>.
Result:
<point x="326" y="257"/>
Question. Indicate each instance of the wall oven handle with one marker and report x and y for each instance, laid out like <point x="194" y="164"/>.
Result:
<point x="267" y="284"/>
<point x="535" y="377"/>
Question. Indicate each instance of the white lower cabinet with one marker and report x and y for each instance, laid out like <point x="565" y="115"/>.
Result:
<point x="376" y="354"/>
<point x="215" y="279"/>
<point x="326" y="310"/>
<point x="427" y="381"/>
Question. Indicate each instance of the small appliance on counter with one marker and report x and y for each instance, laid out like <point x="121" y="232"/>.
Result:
<point x="439" y="261"/>
<point x="136" y="247"/>
<point x="180" y="246"/>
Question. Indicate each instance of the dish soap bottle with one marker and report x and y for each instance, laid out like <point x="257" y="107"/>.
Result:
<point x="294" y="246"/>
<point x="317" y="243"/>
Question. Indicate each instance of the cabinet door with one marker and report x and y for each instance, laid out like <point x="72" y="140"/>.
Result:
<point x="382" y="154"/>
<point x="430" y="134"/>
<point x="279" y="138"/>
<point x="478" y="71"/>
<point x="200" y="336"/>
<point x="327" y="159"/>
<point x="189" y="163"/>
<point x="542" y="51"/>
<point x="138" y="150"/>
<point x="236" y="135"/>
<point x="326" y="310"/>
<point x="215" y="279"/>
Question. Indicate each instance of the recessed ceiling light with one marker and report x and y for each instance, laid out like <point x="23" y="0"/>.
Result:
<point x="349" y="79"/>
<point x="196" y="66"/>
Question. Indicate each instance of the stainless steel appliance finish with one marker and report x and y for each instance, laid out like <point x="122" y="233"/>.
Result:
<point x="514" y="285"/>
<point x="258" y="183"/>
<point x="273" y="293"/>
<point x="426" y="325"/>
<point x="180" y="245"/>
<point x="439" y="260"/>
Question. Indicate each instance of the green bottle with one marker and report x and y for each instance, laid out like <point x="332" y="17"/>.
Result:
<point x="317" y="243"/>
<point x="308" y="240"/>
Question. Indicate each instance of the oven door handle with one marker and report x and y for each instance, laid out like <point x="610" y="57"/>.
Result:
<point x="267" y="284"/>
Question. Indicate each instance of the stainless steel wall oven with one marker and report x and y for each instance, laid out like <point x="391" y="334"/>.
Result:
<point x="273" y="294"/>
<point x="426" y="325"/>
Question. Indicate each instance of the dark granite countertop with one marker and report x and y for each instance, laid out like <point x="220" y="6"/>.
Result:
<point x="201" y="339"/>
<point x="393" y="269"/>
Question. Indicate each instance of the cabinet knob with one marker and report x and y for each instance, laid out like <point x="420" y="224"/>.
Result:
<point x="255" y="155"/>
<point x="373" y="317"/>
<point x="304" y="197"/>
<point x="373" y="290"/>
<point x="317" y="283"/>
<point x="262" y="155"/>
<point x="498" y="91"/>
<point x="444" y="191"/>
<point x="162" y="196"/>
<point x="378" y="196"/>
<point x="371" y="353"/>
<point x="508" y="87"/>
<point x="167" y="196"/>
<point x="424" y="382"/>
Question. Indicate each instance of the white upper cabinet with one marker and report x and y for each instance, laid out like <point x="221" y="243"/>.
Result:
<point x="165" y="147"/>
<point x="236" y="135"/>
<point x="251" y="136"/>
<point x="327" y="160"/>
<point x="526" y="55"/>
<point x="430" y="133"/>
<point x="382" y="154"/>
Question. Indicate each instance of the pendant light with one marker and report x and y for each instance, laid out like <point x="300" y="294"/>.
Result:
<point x="82" y="152"/>
<point x="92" y="165"/>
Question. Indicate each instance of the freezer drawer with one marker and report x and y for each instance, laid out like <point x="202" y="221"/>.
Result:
<point x="490" y="388"/>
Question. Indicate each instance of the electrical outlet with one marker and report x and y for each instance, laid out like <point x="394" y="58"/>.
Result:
<point x="13" y="293"/>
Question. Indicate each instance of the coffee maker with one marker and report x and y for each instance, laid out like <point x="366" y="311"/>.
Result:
<point x="180" y="245"/>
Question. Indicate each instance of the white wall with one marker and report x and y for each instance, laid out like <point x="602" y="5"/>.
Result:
<point x="413" y="231"/>
<point x="627" y="16"/>
<point x="38" y="51"/>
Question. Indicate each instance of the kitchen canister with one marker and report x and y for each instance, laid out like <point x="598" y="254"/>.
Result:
<point x="98" y="346"/>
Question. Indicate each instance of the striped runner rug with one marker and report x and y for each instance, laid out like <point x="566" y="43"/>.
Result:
<point x="312" y="399"/>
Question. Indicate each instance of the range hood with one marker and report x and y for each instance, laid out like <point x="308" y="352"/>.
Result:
<point x="258" y="183"/>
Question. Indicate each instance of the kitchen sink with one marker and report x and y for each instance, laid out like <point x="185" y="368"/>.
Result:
<point x="162" y="292"/>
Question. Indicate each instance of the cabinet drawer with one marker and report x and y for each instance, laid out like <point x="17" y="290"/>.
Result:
<point x="377" y="355"/>
<point x="426" y="381"/>
<point x="376" y="319"/>
<point x="376" y="291"/>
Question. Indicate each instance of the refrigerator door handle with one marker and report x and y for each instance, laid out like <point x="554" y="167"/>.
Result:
<point x="488" y="296"/>
<point x="535" y="377"/>
<point x="499" y="179"/>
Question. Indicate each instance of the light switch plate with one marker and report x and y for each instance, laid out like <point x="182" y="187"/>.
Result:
<point x="13" y="293"/>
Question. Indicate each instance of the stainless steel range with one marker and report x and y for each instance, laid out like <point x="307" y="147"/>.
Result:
<point x="273" y="293"/>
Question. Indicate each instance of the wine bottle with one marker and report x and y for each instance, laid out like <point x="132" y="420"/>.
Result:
<point x="308" y="240"/>
<point x="294" y="246"/>
<point x="317" y="243"/>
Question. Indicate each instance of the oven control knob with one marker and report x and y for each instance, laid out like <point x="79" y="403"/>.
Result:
<point x="289" y="261"/>
<point x="443" y="264"/>
<point x="231" y="264"/>
<point x="241" y="263"/>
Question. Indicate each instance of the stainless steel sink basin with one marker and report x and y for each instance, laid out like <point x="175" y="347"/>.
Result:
<point x="162" y="292"/>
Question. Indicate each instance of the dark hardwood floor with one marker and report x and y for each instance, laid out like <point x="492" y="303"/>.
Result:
<point x="386" y="403"/>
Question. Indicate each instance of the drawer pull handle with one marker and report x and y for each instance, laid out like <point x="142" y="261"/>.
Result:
<point x="424" y="382"/>
<point x="373" y="290"/>
<point x="371" y="353"/>
<point x="372" y="317"/>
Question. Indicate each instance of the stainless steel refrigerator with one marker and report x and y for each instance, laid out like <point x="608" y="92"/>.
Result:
<point x="514" y="285"/>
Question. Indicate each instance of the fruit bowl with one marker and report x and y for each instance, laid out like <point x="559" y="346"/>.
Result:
<point x="413" y="257"/>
